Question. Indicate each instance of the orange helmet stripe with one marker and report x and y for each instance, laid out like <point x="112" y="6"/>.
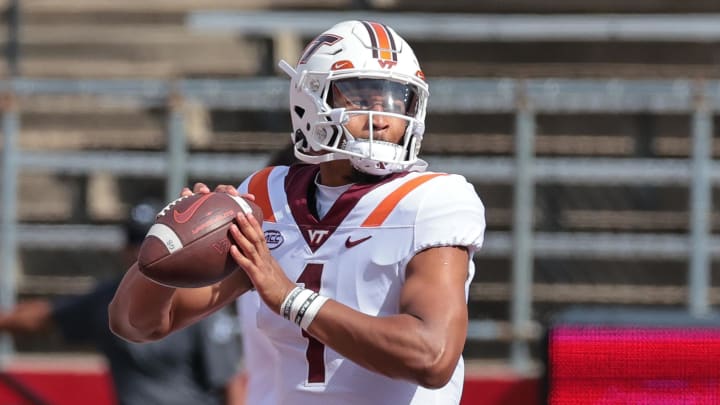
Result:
<point x="383" y="210"/>
<point x="381" y="40"/>
<point x="259" y="187"/>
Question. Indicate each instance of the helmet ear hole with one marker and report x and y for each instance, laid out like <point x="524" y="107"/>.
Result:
<point x="335" y="133"/>
<point x="299" y="111"/>
<point x="330" y="97"/>
<point x="300" y="137"/>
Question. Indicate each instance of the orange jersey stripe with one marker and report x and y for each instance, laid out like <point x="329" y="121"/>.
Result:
<point x="383" y="210"/>
<point x="259" y="187"/>
<point x="383" y="41"/>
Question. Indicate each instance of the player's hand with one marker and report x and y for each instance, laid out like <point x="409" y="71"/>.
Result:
<point x="222" y="188"/>
<point x="225" y="188"/>
<point x="251" y="253"/>
<point x="197" y="188"/>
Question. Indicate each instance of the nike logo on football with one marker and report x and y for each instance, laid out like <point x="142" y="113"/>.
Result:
<point x="352" y="243"/>
<point x="182" y="217"/>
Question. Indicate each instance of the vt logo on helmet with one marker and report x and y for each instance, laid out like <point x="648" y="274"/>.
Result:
<point x="354" y="85"/>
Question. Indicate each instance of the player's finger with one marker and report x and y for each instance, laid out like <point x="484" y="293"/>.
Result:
<point x="243" y="262"/>
<point x="247" y="248"/>
<point x="201" y="188"/>
<point x="225" y="188"/>
<point x="250" y="197"/>
<point x="249" y="229"/>
<point x="185" y="192"/>
<point x="257" y="228"/>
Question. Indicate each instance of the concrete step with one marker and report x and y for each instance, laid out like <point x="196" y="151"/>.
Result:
<point x="92" y="120"/>
<point x="96" y="51"/>
<point x="107" y="68"/>
<point x="628" y="220"/>
<point x="127" y="34"/>
<point x="554" y="6"/>
<point x="586" y="293"/>
<point x="69" y="139"/>
<point x="170" y="6"/>
<point x="56" y="203"/>
<point x="571" y="70"/>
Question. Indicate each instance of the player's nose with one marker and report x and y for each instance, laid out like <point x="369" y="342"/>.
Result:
<point x="379" y="121"/>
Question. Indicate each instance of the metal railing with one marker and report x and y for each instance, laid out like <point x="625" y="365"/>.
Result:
<point x="524" y="99"/>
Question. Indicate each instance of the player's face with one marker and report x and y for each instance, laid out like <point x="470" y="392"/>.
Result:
<point x="364" y="99"/>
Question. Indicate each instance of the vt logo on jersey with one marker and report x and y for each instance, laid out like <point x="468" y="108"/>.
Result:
<point x="316" y="237"/>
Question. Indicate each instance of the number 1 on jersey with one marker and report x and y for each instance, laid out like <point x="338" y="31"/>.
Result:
<point x="315" y="353"/>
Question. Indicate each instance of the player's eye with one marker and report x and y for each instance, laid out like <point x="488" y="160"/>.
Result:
<point x="397" y="107"/>
<point x="374" y="94"/>
<point x="356" y="103"/>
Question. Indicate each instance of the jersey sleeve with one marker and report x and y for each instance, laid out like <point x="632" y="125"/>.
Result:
<point x="450" y="214"/>
<point x="244" y="186"/>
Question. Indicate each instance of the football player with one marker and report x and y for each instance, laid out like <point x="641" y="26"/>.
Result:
<point x="361" y="267"/>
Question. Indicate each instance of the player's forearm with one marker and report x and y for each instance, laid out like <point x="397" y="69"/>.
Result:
<point x="141" y="309"/>
<point x="398" y="346"/>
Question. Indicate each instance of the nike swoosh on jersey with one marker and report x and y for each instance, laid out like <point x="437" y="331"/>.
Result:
<point x="352" y="243"/>
<point x="184" y="216"/>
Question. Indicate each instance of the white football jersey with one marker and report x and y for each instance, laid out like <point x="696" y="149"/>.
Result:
<point x="258" y="353"/>
<point x="357" y="255"/>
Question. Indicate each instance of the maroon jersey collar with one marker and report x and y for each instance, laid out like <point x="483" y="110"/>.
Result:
<point x="300" y="189"/>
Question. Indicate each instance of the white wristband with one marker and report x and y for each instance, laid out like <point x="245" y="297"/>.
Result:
<point x="312" y="311"/>
<point x="298" y="302"/>
<point x="287" y="302"/>
<point x="301" y="306"/>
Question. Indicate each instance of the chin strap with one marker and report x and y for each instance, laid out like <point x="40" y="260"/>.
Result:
<point x="419" y="166"/>
<point x="314" y="159"/>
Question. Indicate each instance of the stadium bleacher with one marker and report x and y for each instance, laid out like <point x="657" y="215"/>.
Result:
<point x="140" y="39"/>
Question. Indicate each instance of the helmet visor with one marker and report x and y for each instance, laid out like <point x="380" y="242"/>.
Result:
<point x="374" y="94"/>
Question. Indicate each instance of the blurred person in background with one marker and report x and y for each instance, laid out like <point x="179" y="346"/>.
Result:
<point x="197" y="365"/>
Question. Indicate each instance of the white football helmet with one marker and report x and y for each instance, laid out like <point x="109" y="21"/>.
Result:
<point x="352" y="59"/>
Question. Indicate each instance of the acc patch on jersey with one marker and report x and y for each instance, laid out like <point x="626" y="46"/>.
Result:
<point x="273" y="239"/>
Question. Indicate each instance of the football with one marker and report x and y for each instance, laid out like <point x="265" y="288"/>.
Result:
<point x="188" y="245"/>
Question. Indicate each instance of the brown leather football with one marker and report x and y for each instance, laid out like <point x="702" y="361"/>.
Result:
<point x="189" y="243"/>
